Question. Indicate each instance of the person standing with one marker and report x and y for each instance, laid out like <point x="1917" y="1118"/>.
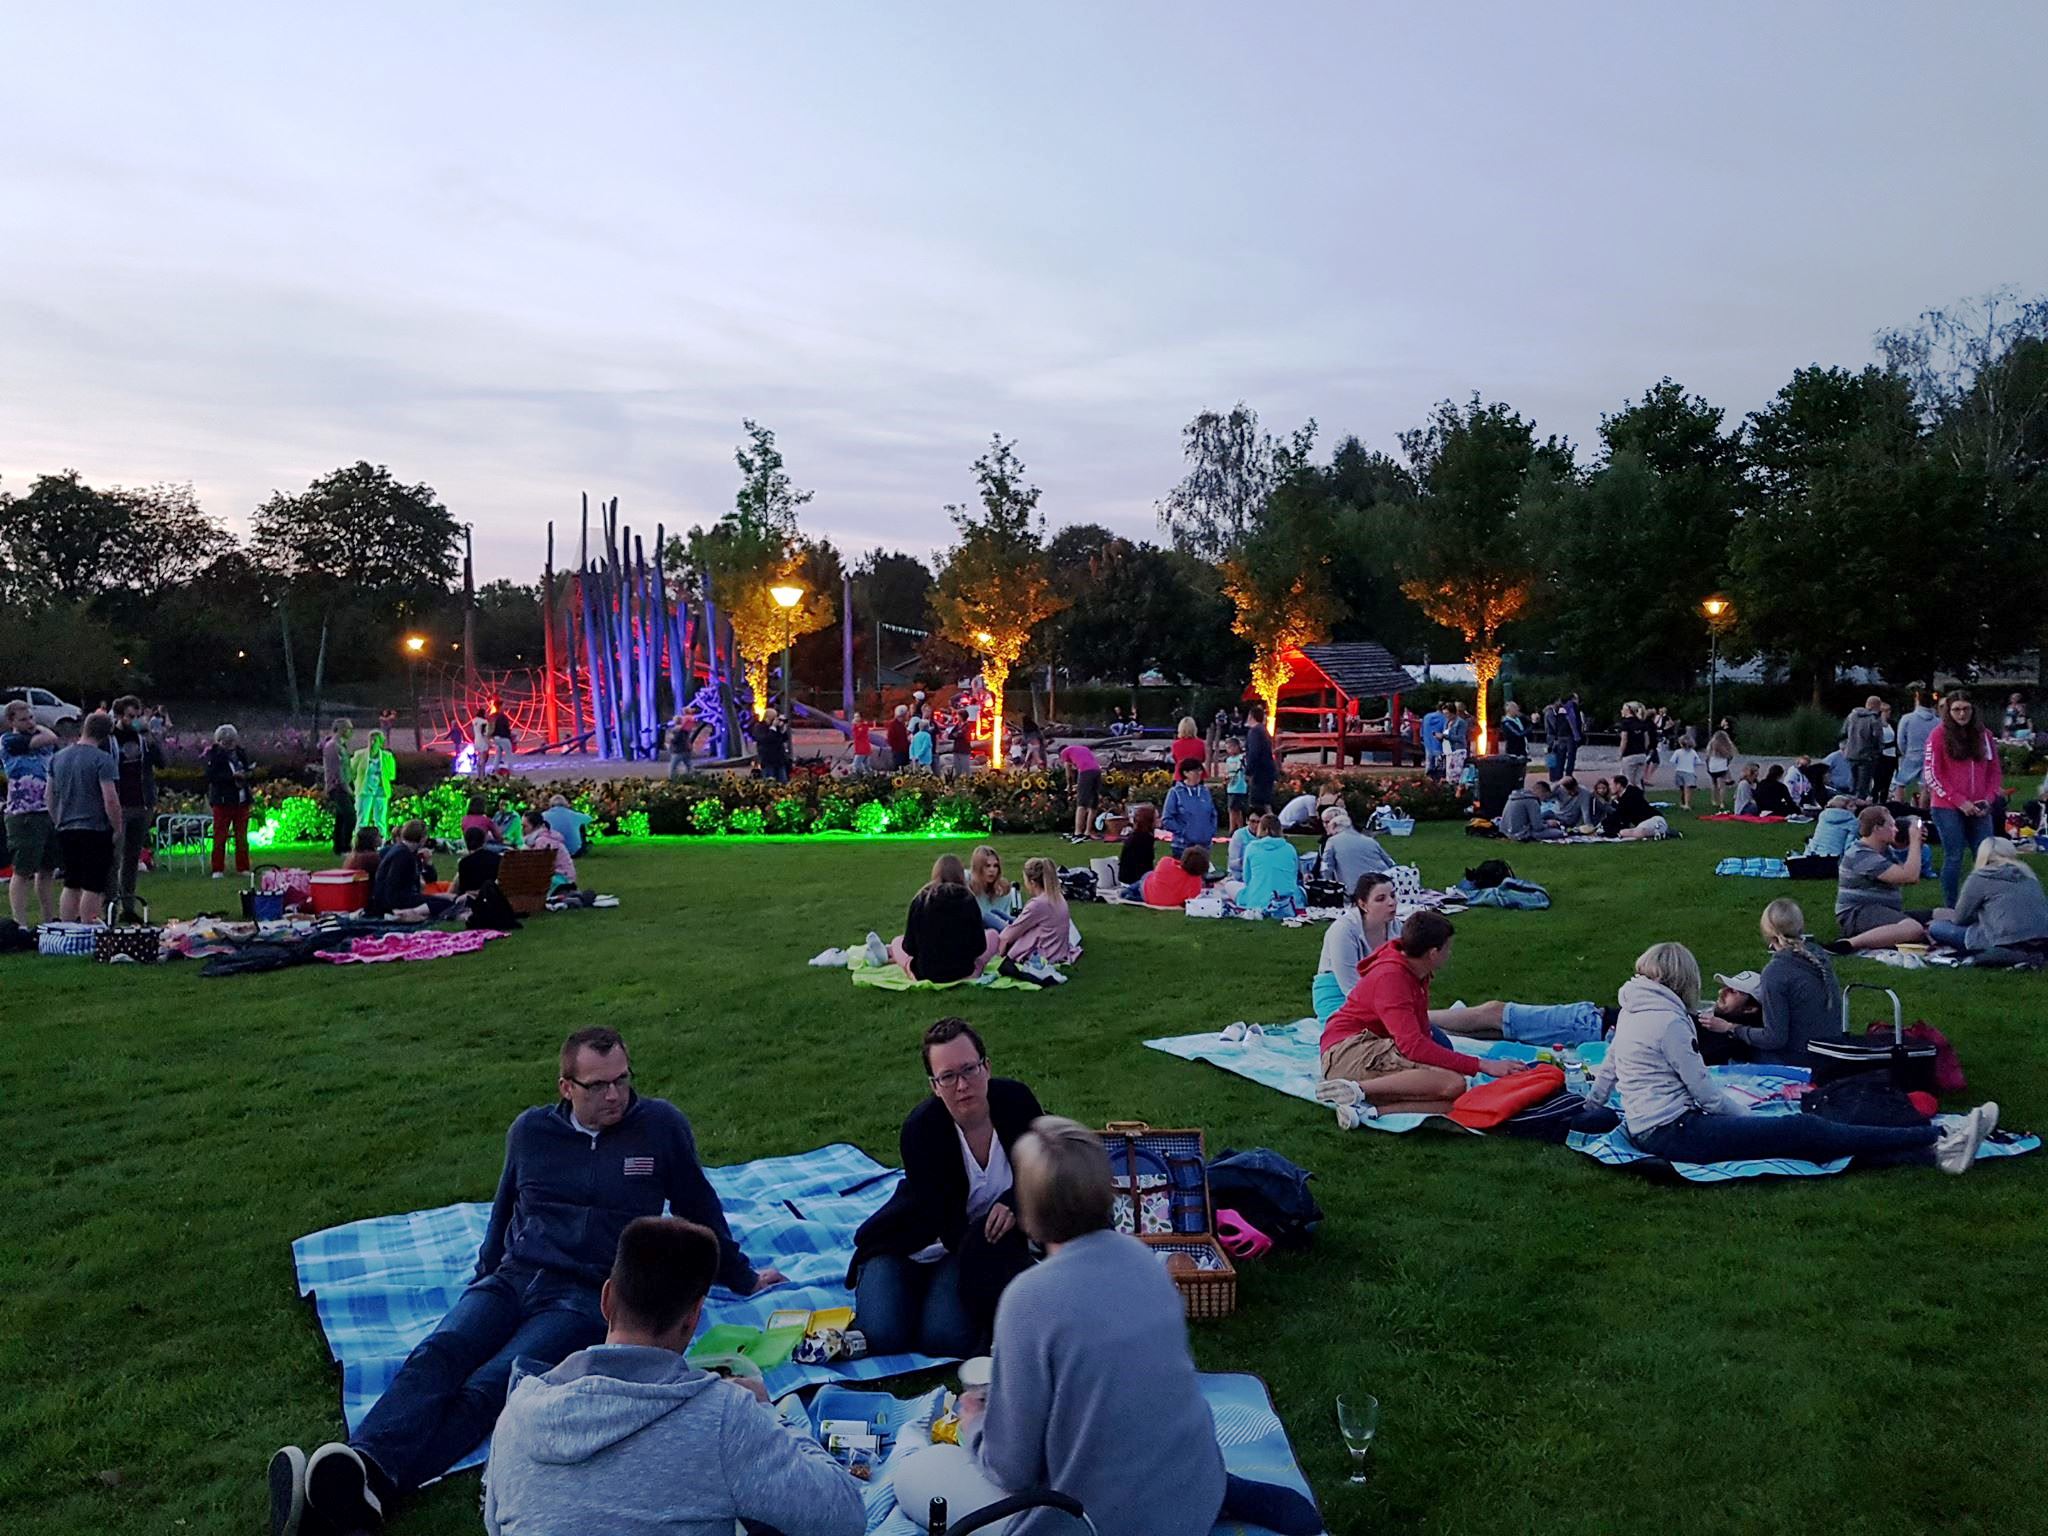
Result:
<point x="1261" y="766"/>
<point x="1720" y="760"/>
<point x="1862" y="740"/>
<point x="1635" y="740"/>
<point x="1964" y="780"/>
<point x="373" y="775"/>
<point x="1575" y="717"/>
<point x="1084" y="777"/>
<point x="25" y="752"/>
<point x="334" y="784"/>
<point x="85" y="805"/>
<point x="1514" y="734"/>
<point x="137" y="757"/>
<point x="771" y="746"/>
<point x="1915" y="728"/>
<point x="479" y="741"/>
<point x="227" y="792"/>
<point x="1887" y="755"/>
<point x="1556" y="738"/>
<point x="682" y="743"/>
<point x="897" y="734"/>
<point x="860" y="745"/>
<point x="501" y="738"/>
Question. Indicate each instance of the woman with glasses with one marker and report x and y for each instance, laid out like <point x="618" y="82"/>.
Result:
<point x="929" y="1266"/>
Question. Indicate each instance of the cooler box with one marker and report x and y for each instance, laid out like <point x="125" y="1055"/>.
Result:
<point x="340" y="890"/>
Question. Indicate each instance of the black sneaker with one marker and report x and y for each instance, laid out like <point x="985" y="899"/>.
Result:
<point x="1839" y="947"/>
<point x="288" y="1492"/>
<point x="338" y="1490"/>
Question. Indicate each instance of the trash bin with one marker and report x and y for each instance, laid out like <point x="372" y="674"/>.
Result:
<point x="1498" y="774"/>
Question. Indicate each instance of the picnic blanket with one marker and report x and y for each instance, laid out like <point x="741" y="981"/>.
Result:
<point x="1762" y="821"/>
<point x="1286" y="1057"/>
<point x="1756" y="869"/>
<point x="380" y="1285"/>
<point x="430" y="944"/>
<point x="1911" y="960"/>
<point x="1249" y="1432"/>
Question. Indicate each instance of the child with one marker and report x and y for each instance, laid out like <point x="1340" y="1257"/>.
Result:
<point x="1043" y="930"/>
<point x="1237" y="791"/>
<point x="1685" y="769"/>
<point x="368" y="845"/>
<point x="862" y="746"/>
<point x="540" y="835"/>
<point x="479" y="865"/>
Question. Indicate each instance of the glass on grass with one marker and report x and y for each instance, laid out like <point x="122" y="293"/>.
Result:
<point x="1358" y="1417"/>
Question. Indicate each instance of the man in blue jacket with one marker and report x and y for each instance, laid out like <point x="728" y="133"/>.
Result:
<point x="576" y="1173"/>
<point x="1190" y="810"/>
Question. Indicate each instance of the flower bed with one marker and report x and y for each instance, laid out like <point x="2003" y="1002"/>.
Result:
<point x="727" y="805"/>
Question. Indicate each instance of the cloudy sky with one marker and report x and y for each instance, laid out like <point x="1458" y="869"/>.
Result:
<point x="522" y="251"/>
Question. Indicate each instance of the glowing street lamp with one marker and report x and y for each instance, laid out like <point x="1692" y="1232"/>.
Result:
<point x="1720" y="612"/>
<point x="415" y="645"/>
<point x="787" y="595"/>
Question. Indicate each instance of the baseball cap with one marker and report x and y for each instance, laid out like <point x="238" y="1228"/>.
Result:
<point x="1748" y="983"/>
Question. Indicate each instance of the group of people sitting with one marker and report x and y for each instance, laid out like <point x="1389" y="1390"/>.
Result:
<point x="1537" y="813"/>
<point x="568" y="1349"/>
<point x="960" y="924"/>
<point x="403" y="875"/>
<point x="1385" y="1050"/>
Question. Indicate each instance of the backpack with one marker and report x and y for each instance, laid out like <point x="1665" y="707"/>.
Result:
<point x="1267" y="1191"/>
<point x="1489" y="873"/>
<point x="1079" y="885"/>
<point x="1482" y="826"/>
<point x="491" y="908"/>
<point x="1863" y="1098"/>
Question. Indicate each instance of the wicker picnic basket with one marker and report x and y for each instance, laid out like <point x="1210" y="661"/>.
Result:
<point x="1162" y="1197"/>
<point x="524" y="875"/>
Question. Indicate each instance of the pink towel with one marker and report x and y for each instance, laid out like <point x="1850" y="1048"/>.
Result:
<point x="411" y="946"/>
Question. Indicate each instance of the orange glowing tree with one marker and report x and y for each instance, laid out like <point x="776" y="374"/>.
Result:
<point x="1476" y="605"/>
<point x="1278" y="577"/>
<point x="994" y="587"/>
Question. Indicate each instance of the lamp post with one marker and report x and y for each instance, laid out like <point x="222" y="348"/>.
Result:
<point x="1717" y="609"/>
<point x="414" y="645"/>
<point x="787" y="595"/>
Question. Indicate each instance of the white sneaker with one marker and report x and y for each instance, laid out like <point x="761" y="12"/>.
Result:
<point x="877" y="951"/>
<point x="1957" y="1148"/>
<point x="1232" y="1034"/>
<point x="1989" y="1110"/>
<point x="217" y="875"/>
<point x="1339" y="1091"/>
<point x="1351" y="1116"/>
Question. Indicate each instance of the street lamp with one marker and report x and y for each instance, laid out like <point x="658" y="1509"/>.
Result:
<point x="1719" y="612"/>
<point x="414" y="646"/>
<point x="787" y="595"/>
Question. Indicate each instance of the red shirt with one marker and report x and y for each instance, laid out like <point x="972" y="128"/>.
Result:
<point x="863" y="739"/>
<point x="1169" y="885"/>
<point x="899" y="741"/>
<point x="1391" y="1001"/>
<point x="1186" y="747"/>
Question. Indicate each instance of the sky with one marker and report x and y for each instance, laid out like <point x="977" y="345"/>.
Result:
<point x="522" y="252"/>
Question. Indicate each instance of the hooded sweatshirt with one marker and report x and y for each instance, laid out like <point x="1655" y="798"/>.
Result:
<point x="1190" y="815"/>
<point x="1654" y="1058"/>
<point x="632" y="1440"/>
<point x="1391" y="1001"/>
<point x="1521" y="819"/>
<point x="2003" y="905"/>
<point x="1914" y="730"/>
<point x="1832" y="834"/>
<point x="1952" y="780"/>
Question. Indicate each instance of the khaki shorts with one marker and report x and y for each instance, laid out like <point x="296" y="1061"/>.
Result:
<point x="1365" y="1055"/>
<point x="32" y="843"/>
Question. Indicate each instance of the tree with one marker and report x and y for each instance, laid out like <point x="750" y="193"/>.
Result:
<point x="1979" y="375"/>
<point x="1129" y="601"/>
<point x="73" y="541"/>
<point x="1370" y="491"/>
<point x="1464" y="556"/>
<point x="360" y="529"/>
<point x="994" y="588"/>
<point x="754" y="550"/>
<point x="1233" y="469"/>
<point x="893" y="588"/>
<point x="508" y="624"/>
<point x="1277" y="577"/>
<point x="1659" y="511"/>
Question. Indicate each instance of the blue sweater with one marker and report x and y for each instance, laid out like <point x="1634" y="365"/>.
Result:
<point x="1190" y="815"/>
<point x="565" y="1197"/>
<point x="1271" y="868"/>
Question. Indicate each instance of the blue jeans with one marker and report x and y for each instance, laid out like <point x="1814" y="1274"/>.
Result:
<point x="1552" y="1023"/>
<point x="1959" y="836"/>
<point x="1955" y="935"/>
<point x="906" y="1307"/>
<point x="445" y="1398"/>
<point x="1699" y="1137"/>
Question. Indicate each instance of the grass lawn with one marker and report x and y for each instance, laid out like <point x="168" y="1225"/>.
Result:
<point x="1557" y="1346"/>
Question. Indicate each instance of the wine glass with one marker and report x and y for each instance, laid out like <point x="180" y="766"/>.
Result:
<point x="1358" y="1416"/>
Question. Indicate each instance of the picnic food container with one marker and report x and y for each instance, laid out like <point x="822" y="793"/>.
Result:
<point x="340" y="890"/>
<point x="1161" y="1180"/>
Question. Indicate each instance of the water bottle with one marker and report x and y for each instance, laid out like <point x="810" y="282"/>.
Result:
<point x="935" y="1524"/>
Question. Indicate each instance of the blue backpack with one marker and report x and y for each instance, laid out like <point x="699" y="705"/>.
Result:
<point x="1269" y="1192"/>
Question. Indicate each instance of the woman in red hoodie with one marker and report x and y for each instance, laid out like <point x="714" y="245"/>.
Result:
<point x="1964" y="781"/>
<point x="1378" y="1047"/>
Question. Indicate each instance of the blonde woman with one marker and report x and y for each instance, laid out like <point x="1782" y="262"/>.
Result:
<point x="1672" y="1108"/>
<point x="1720" y="760"/>
<point x="1797" y="992"/>
<point x="996" y="896"/>
<point x="1044" y="929"/>
<point x="1188" y="746"/>
<point x="2002" y="905"/>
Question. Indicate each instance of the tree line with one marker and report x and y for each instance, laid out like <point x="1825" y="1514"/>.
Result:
<point x="1890" y="515"/>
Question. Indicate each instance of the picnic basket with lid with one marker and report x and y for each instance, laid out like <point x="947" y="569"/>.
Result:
<point x="1161" y="1181"/>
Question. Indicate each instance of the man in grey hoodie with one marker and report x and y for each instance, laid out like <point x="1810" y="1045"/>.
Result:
<point x="1522" y="819"/>
<point x="630" y="1439"/>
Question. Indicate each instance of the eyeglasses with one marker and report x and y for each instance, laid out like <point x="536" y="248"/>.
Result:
<point x="946" y="1082"/>
<point x="620" y="1083"/>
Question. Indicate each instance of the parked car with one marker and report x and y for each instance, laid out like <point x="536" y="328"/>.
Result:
<point x="49" y="709"/>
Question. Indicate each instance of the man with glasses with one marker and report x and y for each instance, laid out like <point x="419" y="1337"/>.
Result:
<point x="576" y="1173"/>
<point x="929" y="1266"/>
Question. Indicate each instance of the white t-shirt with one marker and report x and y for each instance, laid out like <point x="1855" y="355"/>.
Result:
<point x="985" y="1186"/>
<point x="1685" y="760"/>
<point x="1298" y="812"/>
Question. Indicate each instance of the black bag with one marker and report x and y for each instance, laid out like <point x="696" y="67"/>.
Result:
<point x="1812" y="866"/>
<point x="1490" y="874"/>
<point x="1482" y="826"/>
<point x="1269" y="1192"/>
<point x="1325" y="893"/>
<point x="1862" y="1098"/>
<point x="1079" y="885"/>
<point x="491" y="908"/>
<point x="1910" y="1063"/>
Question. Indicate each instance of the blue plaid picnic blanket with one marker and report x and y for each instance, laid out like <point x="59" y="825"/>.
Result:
<point x="1287" y="1058"/>
<point x="1759" y="869"/>
<point x="1252" y="1438"/>
<point x="380" y="1285"/>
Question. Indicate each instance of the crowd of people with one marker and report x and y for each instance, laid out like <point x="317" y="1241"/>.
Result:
<point x="568" y="1348"/>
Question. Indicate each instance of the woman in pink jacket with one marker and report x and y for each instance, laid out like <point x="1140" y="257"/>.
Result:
<point x="1965" y="783"/>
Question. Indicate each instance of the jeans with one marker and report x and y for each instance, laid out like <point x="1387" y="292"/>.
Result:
<point x="446" y="1396"/>
<point x="1571" y="756"/>
<point x="1698" y="1137"/>
<point x="135" y="822"/>
<point x="343" y="804"/>
<point x="1552" y="1023"/>
<point x="946" y="1308"/>
<point x="1861" y="773"/>
<point x="1554" y="761"/>
<point x="1954" y="935"/>
<point x="1959" y="836"/>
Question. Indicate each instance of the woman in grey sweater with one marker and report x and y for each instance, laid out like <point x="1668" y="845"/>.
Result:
<point x="1798" y="992"/>
<point x="2002" y="904"/>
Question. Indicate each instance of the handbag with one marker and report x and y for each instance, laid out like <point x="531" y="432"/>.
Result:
<point x="134" y="943"/>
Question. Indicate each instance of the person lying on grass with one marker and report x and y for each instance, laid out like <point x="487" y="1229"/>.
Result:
<point x="1176" y="882"/>
<point x="943" y="938"/>
<point x="930" y="1265"/>
<point x="1044" y="929"/>
<point x="628" y="1435"/>
<point x="1379" y="1048"/>
<point x="1672" y="1108"/>
<point x="1370" y="921"/>
<point x="576" y="1172"/>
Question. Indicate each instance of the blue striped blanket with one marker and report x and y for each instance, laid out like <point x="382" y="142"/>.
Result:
<point x="1757" y="869"/>
<point x="381" y="1284"/>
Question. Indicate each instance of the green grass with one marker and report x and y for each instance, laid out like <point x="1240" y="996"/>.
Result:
<point x="1557" y="1346"/>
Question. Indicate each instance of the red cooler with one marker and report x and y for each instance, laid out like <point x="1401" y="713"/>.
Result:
<point x="340" y="890"/>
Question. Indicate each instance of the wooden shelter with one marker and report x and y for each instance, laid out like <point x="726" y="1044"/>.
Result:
<point x="1333" y="680"/>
